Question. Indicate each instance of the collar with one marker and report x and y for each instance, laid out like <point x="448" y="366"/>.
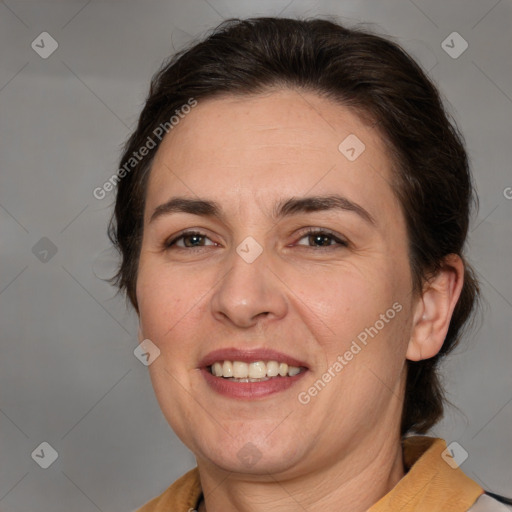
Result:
<point x="430" y="485"/>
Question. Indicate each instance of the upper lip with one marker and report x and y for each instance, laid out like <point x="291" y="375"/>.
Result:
<point x="249" y="356"/>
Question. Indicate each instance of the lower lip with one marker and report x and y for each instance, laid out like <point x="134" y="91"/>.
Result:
<point x="249" y="390"/>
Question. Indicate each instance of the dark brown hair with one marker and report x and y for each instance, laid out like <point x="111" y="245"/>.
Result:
<point x="358" y="69"/>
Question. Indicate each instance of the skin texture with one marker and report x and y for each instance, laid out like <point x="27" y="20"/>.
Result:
<point x="341" y="451"/>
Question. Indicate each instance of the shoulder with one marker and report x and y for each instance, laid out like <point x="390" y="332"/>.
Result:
<point x="486" y="503"/>
<point x="183" y="494"/>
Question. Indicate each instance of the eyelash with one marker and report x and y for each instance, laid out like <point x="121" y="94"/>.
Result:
<point x="309" y="232"/>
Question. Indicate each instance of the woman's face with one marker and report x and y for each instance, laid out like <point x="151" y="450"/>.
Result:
<point x="254" y="285"/>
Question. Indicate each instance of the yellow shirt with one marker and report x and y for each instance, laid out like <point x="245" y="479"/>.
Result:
<point x="430" y="485"/>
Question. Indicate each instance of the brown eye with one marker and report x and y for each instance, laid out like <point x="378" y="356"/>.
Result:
<point x="322" y="238"/>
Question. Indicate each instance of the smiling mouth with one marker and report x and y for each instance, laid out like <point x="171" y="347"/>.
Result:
<point x="256" y="371"/>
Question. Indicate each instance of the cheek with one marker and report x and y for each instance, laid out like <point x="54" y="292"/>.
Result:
<point x="347" y="299"/>
<point x="164" y="298"/>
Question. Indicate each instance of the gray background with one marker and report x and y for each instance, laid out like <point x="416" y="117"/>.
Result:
<point x="68" y="375"/>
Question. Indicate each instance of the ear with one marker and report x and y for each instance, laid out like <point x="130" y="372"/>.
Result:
<point x="434" y="309"/>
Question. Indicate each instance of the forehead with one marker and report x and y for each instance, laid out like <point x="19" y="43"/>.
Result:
<point x="243" y="148"/>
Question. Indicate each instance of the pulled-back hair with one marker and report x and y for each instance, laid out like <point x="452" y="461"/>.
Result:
<point x="381" y="83"/>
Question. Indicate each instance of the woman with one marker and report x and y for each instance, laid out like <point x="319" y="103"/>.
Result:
<point x="291" y="213"/>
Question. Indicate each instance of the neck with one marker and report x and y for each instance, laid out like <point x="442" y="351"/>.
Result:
<point x="353" y="483"/>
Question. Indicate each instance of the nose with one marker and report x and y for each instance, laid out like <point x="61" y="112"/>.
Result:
<point x="248" y="293"/>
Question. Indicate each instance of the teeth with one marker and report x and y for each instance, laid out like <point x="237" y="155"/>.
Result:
<point x="227" y="369"/>
<point x="293" y="370"/>
<point x="272" y="369"/>
<point x="217" y="369"/>
<point x="249" y="380"/>
<point x="252" y="372"/>
<point x="257" y="370"/>
<point x="240" y="370"/>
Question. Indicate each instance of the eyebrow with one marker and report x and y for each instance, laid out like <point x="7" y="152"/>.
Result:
<point x="283" y="208"/>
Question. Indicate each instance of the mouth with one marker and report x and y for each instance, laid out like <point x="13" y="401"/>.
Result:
<point x="251" y="374"/>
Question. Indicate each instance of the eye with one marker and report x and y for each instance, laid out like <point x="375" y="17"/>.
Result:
<point x="189" y="240"/>
<point x="316" y="238"/>
<point x="321" y="238"/>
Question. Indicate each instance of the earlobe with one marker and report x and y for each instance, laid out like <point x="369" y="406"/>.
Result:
<point x="434" y="310"/>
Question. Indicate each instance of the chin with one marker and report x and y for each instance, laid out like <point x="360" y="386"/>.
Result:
<point x="253" y="456"/>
